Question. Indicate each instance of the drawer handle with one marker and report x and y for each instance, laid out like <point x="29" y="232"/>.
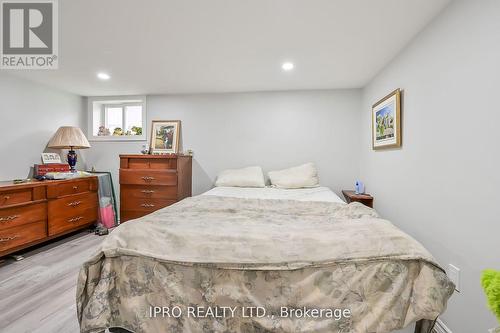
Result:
<point x="75" y="219"/>
<point x="6" y="197"/>
<point x="8" y="239"/>
<point x="148" y="178"/>
<point x="75" y="187"/>
<point x="74" y="203"/>
<point x="8" y="218"/>
<point x="146" y="205"/>
<point x="148" y="191"/>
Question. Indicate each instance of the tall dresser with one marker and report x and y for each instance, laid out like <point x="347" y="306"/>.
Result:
<point x="33" y="212"/>
<point x="151" y="182"/>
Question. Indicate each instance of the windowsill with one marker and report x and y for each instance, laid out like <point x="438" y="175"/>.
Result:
<point x="117" y="138"/>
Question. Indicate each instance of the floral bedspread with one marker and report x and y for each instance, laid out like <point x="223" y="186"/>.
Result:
<point x="218" y="264"/>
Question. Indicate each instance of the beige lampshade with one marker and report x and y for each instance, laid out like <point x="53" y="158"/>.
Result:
<point x="69" y="137"/>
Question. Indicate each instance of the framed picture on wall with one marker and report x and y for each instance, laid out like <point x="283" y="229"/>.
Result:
<point x="165" y="137"/>
<point x="386" y="121"/>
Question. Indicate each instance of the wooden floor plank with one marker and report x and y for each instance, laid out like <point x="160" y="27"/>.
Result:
<point x="37" y="294"/>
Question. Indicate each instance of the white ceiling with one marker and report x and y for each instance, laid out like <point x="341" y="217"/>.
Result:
<point x="193" y="46"/>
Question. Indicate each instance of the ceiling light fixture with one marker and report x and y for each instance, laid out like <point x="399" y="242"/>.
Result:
<point x="287" y="66"/>
<point x="103" y="76"/>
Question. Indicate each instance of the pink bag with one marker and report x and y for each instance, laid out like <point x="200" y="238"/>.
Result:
<point x="107" y="216"/>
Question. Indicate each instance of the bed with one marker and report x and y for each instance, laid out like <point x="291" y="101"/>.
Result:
<point x="261" y="260"/>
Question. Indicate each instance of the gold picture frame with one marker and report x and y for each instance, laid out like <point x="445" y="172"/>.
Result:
<point x="165" y="136"/>
<point x="386" y="121"/>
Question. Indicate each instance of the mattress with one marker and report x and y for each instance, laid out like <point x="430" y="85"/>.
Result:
<point x="303" y="194"/>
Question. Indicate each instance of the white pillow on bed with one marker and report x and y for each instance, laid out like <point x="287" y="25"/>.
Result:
<point x="245" y="177"/>
<point x="300" y="176"/>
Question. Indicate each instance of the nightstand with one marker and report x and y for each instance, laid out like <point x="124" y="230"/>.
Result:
<point x="351" y="196"/>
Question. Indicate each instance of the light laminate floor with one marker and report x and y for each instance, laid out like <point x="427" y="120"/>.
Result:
<point x="37" y="294"/>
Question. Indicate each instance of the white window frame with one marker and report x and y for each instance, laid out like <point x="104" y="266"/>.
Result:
<point x="119" y="101"/>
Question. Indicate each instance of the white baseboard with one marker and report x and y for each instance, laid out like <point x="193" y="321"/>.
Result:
<point x="440" y="327"/>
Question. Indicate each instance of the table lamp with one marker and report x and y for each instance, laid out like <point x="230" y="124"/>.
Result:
<point x="68" y="137"/>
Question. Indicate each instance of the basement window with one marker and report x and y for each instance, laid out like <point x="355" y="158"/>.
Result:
<point x="117" y="118"/>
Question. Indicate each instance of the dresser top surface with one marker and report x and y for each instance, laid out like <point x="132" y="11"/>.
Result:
<point x="166" y="156"/>
<point x="5" y="185"/>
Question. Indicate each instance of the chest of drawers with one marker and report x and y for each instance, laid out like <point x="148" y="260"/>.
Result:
<point x="152" y="182"/>
<point x="34" y="212"/>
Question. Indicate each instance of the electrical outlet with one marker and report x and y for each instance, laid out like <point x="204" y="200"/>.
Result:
<point x="454" y="275"/>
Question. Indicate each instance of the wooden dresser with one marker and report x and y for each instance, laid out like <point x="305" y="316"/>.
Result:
<point x="151" y="182"/>
<point x="34" y="212"/>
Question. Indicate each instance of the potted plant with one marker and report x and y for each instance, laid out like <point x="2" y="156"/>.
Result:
<point x="490" y="280"/>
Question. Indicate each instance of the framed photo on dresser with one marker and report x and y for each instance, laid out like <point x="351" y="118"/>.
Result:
<point x="165" y="137"/>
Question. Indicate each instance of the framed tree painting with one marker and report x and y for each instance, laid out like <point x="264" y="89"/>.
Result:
<point x="386" y="121"/>
<point x="165" y="137"/>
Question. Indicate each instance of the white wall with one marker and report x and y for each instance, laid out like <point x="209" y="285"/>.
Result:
<point x="30" y="114"/>
<point x="272" y="129"/>
<point x="442" y="185"/>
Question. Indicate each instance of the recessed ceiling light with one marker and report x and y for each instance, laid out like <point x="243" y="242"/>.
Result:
<point x="103" y="76"/>
<point x="287" y="66"/>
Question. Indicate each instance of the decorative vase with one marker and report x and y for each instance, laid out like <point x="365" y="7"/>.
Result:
<point x="72" y="159"/>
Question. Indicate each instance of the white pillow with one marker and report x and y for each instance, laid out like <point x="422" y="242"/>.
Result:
<point x="245" y="177"/>
<point x="300" y="176"/>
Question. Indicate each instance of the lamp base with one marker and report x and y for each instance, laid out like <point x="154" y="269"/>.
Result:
<point x="72" y="159"/>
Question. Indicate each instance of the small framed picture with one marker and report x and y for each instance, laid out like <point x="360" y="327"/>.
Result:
<point x="386" y="121"/>
<point x="48" y="158"/>
<point x="165" y="137"/>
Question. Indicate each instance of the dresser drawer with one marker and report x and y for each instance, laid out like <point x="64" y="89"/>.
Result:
<point x="127" y="215"/>
<point x="72" y="187"/>
<point x="148" y="177"/>
<point x="12" y="217"/>
<point x="152" y="163"/>
<point x="72" y="205"/>
<point x="144" y="205"/>
<point x="149" y="192"/>
<point x="17" y="236"/>
<point x="71" y="212"/>
<point x="66" y="222"/>
<point x="10" y="198"/>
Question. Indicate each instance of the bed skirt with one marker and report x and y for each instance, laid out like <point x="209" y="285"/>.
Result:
<point x="382" y="296"/>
